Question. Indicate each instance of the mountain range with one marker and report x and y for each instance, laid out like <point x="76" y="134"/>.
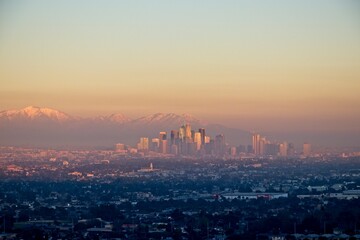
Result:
<point x="46" y="127"/>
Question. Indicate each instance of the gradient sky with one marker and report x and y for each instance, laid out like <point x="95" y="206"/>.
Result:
<point x="271" y="66"/>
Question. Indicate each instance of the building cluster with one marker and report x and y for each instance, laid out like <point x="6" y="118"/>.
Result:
<point x="263" y="147"/>
<point x="184" y="141"/>
<point x="189" y="142"/>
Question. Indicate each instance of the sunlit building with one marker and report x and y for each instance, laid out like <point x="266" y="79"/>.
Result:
<point x="283" y="149"/>
<point x="306" y="149"/>
<point x="197" y="140"/>
<point x="119" y="147"/>
<point x="256" y="144"/>
<point x="188" y="133"/>
<point x="182" y="133"/>
<point x="143" y="144"/>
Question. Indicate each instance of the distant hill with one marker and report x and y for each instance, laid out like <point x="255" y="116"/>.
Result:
<point x="35" y="126"/>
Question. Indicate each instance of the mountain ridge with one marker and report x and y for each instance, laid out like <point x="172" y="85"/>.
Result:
<point x="34" y="113"/>
<point x="48" y="127"/>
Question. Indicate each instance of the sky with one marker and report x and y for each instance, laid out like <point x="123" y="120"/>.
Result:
<point x="270" y="66"/>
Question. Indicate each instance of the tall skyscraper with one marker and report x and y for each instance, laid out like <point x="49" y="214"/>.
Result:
<point x="197" y="140"/>
<point x="306" y="149"/>
<point x="283" y="149"/>
<point x="182" y="133"/>
<point x="291" y="149"/>
<point x="163" y="142"/>
<point x="188" y="133"/>
<point x="220" y="144"/>
<point x="174" y="135"/>
<point x="164" y="146"/>
<point x="262" y="146"/>
<point x="202" y="132"/>
<point x="162" y="136"/>
<point x="256" y="143"/>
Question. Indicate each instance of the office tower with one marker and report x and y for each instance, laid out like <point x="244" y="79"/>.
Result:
<point x="256" y="144"/>
<point x="143" y="144"/>
<point x="188" y="133"/>
<point x="233" y="151"/>
<point x="193" y="135"/>
<point x="155" y="144"/>
<point x="174" y="135"/>
<point x="306" y="149"/>
<point x="182" y="133"/>
<point x="162" y="136"/>
<point x="220" y="144"/>
<point x="202" y="132"/>
<point x="283" y="149"/>
<point x="291" y="149"/>
<point x="163" y="146"/>
<point x="262" y="146"/>
<point x="197" y="140"/>
<point x="163" y="142"/>
<point x="207" y="139"/>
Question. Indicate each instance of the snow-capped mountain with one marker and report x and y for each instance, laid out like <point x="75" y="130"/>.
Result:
<point x="118" y="118"/>
<point x="35" y="113"/>
<point x="167" y="119"/>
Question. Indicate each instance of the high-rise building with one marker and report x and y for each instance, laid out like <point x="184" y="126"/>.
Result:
<point x="155" y="144"/>
<point x="220" y="144"/>
<point x="197" y="140"/>
<point x="202" y="132"/>
<point x="163" y="142"/>
<point x="283" y="149"/>
<point x="233" y="151"/>
<point x="262" y="146"/>
<point x="174" y="135"/>
<point x="163" y="146"/>
<point x="256" y="143"/>
<point x="188" y="133"/>
<point x="182" y="133"/>
<point x="143" y="144"/>
<point x="306" y="149"/>
<point x="291" y="149"/>
<point x="162" y="136"/>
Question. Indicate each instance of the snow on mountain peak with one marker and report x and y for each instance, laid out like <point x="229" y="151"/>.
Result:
<point x="119" y="118"/>
<point x="33" y="113"/>
<point x="167" y="118"/>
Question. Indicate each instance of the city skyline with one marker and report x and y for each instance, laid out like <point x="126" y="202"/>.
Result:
<point x="281" y="68"/>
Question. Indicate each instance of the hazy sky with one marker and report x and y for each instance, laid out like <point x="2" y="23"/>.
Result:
<point x="256" y="65"/>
